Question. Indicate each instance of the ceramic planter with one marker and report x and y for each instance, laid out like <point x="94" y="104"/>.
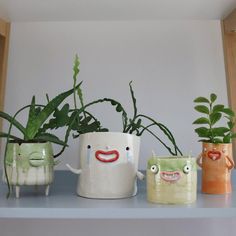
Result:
<point x="29" y="164"/>
<point x="216" y="163"/>
<point x="172" y="180"/>
<point x="108" y="165"/>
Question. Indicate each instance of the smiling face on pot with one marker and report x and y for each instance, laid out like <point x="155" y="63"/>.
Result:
<point x="217" y="152"/>
<point x="171" y="170"/>
<point x="171" y="180"/>
<point x="107" y="149"/>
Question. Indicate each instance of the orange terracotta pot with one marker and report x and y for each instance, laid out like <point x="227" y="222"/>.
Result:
<point x="216" y="163"/>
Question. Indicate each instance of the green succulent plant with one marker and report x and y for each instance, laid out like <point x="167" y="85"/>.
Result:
<point x="209" y="131"/>
<point x="34" y="130"/>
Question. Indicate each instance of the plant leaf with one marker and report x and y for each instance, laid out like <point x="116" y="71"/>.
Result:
<point x="217" y="140"/>
<point x="201" y="120"/>
<point x="219" y="131"/>
<point x="5" y="135"/>
<point x="214" y="117"/>
<point x="202" y="132"/>
<point x="202" y="109"/>
<point x="13" y="121"/>
<point x="227" y="139"/>
<point x="201" y="99"/>
<point x="218" y="108"/>
<point x="213" y="97"/>
<point x="133" y="99"/>
<point x="50" y="138"/>
<point x="230" y="124"/>
<point x="228" y="111"/>
<point x="33" y="126"/>
<point x="233" y="135"/>
<point x="76" y="67"/>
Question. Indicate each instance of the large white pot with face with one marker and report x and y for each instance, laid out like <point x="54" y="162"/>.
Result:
<point x="108" y="165"/>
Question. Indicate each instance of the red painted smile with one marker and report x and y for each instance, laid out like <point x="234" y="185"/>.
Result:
<point x="214" y="155"/>
<point x="170" y="176"/>
<point x="107" y="156"/>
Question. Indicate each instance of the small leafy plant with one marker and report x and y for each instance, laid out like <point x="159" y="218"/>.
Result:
<point x="79" y="120"/>
<point x="213" y="113"/>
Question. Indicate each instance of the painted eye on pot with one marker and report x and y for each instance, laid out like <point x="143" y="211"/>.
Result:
<point x="88" y="146"/>
<point x="154" y="169"/>
<point x="187" y="169"/>
<point x="127" y="148"/>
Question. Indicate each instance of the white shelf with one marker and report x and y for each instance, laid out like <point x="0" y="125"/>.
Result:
<point x="63" y="203"/>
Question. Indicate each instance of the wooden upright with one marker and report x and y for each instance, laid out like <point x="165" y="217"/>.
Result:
<point x="229" y="40"/>
<point x="4" y="45"/>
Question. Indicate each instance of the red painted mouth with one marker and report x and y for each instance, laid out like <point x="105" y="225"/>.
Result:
<point x="107" y="156"/>
<point x="170" y="176"/>
<point x="214" y="155"/>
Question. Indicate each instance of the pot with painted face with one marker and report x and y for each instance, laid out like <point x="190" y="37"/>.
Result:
<point x="108" y="165"/>
<point x="216" y="163"/>
<point x="29" y="164"/>
<point x="172" y="180"/>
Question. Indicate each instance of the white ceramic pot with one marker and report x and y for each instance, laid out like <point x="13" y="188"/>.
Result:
<point x="108" y="165"/>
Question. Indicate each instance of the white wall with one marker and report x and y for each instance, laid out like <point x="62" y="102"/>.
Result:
<point x="170" y="63"/>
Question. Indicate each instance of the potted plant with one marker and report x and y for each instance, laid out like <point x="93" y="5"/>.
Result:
<point x="172" y="180"/>
<point x="109" y="160"/>
<point x="29" y="159"/>
<point x="216" y="158"/>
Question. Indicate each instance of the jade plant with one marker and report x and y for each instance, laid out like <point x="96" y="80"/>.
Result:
<point x="213" y="114"/>
<point x="34" y="131"/>
<point x="79" y="120"/>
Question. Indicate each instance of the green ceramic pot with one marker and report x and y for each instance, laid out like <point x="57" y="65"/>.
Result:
<point x="172" y="180"/>
<point x="29" y="164"/>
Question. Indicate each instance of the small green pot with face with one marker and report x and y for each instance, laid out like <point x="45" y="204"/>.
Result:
<point x="172" y="180"/>
<point x="29" y="164"/>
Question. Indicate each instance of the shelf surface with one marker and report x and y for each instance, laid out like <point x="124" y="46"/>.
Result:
<point x="63" y="203"/>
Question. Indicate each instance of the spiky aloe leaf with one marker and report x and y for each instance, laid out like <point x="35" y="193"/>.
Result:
<point x="50" y="138"/>
<point x="34" y="125"/>
<point x="13" y="121"/>
<point x="5" y="135"/>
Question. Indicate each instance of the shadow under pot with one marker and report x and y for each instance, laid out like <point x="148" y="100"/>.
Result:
<point x="108" y="165"/>
<point x="216" y="163"/>
<point x="172" y="180"/>
<point x="29" y="164"/>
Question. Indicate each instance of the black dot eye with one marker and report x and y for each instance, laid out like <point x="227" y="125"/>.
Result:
<point x="88" y="146"/>
<point x="127" y="148"/>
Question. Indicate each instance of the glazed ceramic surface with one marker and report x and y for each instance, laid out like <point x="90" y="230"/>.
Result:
<point x="109" y="165"/>
<point x="172" y="180"/>
<point x="216" y="163"/>
<point x="29" y="163"/>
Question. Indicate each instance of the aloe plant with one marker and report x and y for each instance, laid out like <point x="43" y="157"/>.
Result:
<point x="33" y="131"/>
<point x="79" y="120"/>
<point x="212" y="114"/>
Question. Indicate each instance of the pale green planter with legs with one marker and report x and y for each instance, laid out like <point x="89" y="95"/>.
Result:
<point x="29" y="164"/>
<point x="172" y="180"/>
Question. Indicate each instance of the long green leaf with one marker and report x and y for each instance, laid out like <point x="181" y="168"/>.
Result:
<point x="50" y="138"/>
<point x="13" y="121"/>
<point x="5" y="135"/>
<point x="34" y="126"/>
